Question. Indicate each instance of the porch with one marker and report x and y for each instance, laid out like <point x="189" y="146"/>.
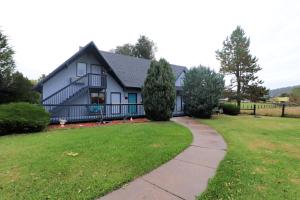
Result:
<point x="97" y="112"/>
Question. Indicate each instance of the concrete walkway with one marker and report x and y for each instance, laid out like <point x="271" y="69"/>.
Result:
<point x="185" y="176"/>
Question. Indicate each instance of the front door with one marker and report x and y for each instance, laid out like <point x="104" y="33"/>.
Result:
<point x="132" y="99"/>
<point x="179" y="103"/>
<point x="115" y="103"/>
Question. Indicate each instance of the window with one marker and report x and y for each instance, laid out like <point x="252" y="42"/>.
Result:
<point x="97" y="98"/>
<point x="96" y="69"/>
<point x="81" y="69"/>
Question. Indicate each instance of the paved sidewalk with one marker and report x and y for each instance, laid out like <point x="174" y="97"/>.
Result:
<point x="185" y="176"/>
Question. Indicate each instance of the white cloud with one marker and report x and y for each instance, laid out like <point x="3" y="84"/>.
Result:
<point x="46" y="33"/>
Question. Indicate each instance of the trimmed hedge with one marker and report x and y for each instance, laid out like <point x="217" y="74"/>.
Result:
<point x="230" y="109"/>
<point x="22" y="118"/>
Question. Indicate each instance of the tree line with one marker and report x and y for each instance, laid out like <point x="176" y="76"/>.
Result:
<point x="14" y="86"/>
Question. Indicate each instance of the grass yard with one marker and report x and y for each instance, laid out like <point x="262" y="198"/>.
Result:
<point x="85" y="163"/>
<point x="263" y="159"/>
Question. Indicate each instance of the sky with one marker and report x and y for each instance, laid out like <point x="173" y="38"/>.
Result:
<point x="46" y="33"/>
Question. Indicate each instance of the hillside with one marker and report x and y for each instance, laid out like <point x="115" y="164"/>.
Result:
<point x="279" y="91"/>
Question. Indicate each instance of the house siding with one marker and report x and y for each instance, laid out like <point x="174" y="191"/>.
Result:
<point x="62" y="78"/>
<point x="79" y="105"/>
<point x="179" y="81"/>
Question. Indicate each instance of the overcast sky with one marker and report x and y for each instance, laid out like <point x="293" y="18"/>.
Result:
<point x="46" y="33"/>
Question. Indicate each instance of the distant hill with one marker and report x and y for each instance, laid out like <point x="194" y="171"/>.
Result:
<point x="277" y="92"/>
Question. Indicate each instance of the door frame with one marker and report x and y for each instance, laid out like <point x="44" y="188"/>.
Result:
<point x="115" y="113"/>
<point x="181" y="105"/>
<point x="130" y="106"/>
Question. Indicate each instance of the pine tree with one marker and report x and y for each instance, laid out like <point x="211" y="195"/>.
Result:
<point x="237" y="61"/>
<point x="202" y="89"/>
<point x="159" y="91"/>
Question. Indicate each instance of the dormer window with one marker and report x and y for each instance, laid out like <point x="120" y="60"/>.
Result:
<point x="81" y="69"/>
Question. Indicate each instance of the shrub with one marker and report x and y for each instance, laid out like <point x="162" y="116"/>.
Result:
<point x="230" y="109"/>
<point x="22" y="118"/>
<point x="202" y="89"/>
<point x="159" y="91"/>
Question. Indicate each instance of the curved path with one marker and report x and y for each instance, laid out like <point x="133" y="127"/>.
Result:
<point x="183" y="177"/>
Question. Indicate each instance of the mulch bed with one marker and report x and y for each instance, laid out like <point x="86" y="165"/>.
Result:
<point x="93" y="124"/>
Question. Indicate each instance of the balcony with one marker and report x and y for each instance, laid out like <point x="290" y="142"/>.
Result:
<point x="96" y="80"/>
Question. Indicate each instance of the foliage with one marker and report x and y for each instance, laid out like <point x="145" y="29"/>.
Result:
<point x="295" y="95"/>
<point x="256" y="92"/>
<point x="230" y="109"/>
<point x="236" y="61"/>
<point x="202" y="89"/>
<point x="262" y="159"/>
<point x="159" y="91"/>
<point x="228" y="93"/>
<point x="143" y="48"/>
<point x="284" y="94"/>
<point x="14" y="87"/>
<point x="7" y="64"/>
<point x="22" y="117"/>
<point x="126" y="49"/>
<point x="19" y="90"/>
<point x="85" y="163"/>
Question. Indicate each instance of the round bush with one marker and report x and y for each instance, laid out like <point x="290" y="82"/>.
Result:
<point x="230" y="109"/>
<point x="202" y="89"/>
<point x="22" y="118"/>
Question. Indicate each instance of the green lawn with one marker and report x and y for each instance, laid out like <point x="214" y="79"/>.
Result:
<point x="263" y="159"/>
<point x="85" y="163"/>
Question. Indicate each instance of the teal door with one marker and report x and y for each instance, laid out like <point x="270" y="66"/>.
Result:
<point x="132" y="99"/>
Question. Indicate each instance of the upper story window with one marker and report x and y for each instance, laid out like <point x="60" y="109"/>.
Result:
<point x="81" y="69"/>
<point x="96" y="69"/>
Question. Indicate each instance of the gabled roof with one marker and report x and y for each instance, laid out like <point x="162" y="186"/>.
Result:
<point x="129" y="71"/>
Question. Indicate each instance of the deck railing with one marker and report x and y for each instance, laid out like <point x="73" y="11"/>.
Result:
<point x="90" y="112"/>
<point x="65" y="93"/>
<point x="96" y="112"/>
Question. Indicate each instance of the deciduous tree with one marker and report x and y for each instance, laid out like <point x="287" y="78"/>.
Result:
<point x="143" y="48"/>
<point x="7" y="64"/>
<point x="126" y="49"/>
<point x="14" y="87"/>
<point x="256" y="92"/>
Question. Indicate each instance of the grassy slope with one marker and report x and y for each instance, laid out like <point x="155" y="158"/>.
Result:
<point x="263" y="159"/>
<point x="38" y="166"/>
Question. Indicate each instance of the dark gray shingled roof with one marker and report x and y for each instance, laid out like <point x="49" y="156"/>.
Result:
<point x="132" y="71"/>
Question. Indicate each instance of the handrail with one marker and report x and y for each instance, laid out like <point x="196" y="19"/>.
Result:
<point x="64" y="88"/>
<point x="106" y="104"/>
<point x="72" y="83"/>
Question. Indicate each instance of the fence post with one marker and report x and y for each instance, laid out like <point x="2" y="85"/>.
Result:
<point x="254" y="109"/>
<point x="283" y="108"/>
